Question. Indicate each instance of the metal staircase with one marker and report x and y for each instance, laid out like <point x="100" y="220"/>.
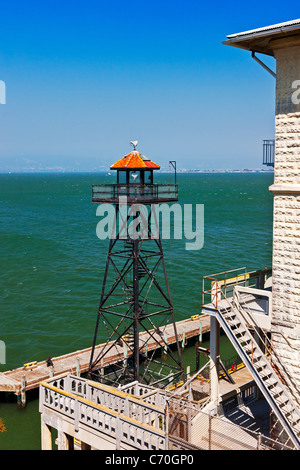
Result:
<point x="267" y="370"/>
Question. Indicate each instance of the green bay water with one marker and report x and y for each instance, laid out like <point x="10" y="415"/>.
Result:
<point x="52" y="264"/>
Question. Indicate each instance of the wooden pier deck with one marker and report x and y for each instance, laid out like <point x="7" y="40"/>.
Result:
<point x="28" y="378"/>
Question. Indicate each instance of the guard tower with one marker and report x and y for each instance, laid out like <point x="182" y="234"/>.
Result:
<point x="135" y="321"/>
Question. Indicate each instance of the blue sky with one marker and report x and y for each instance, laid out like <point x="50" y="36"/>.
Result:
<point x="83" y="79"/>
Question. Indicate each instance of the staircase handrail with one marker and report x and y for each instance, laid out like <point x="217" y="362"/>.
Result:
<point x="282" y="371"/>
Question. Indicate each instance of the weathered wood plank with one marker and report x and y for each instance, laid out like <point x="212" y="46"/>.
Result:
<point x="11" y="379"/>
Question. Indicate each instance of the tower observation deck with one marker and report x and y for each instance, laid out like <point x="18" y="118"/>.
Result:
<point x="135" y="182"/>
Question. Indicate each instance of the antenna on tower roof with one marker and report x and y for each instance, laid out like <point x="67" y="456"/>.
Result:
<point x="134" y="144"/>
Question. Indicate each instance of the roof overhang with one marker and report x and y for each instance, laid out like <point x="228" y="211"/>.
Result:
<point x="135" y="161"/>
<point x="262" y="40"/>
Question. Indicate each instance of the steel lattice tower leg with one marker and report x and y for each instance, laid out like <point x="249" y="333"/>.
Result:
<point x="135" y="319"/>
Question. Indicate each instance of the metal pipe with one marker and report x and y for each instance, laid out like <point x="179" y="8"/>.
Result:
<point x="136" y="309"/>
<point x="263" y="65"/>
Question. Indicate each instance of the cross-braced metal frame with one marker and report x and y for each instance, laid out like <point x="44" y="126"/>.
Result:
<point x="136" y="317"/>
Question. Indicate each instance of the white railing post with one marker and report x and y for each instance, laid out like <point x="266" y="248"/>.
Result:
<point x="76" y="415"/>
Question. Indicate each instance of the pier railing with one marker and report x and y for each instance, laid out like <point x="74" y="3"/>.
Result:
<point x="115" y="413"/>
<point x="147" y="393"/>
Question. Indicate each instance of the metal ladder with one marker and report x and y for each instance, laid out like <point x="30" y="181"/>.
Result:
<point x="234" y="320"/>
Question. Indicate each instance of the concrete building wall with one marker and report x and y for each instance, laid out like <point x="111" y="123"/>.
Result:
<point x="286" y="189"/>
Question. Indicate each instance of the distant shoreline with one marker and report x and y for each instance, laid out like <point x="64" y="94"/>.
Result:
<point x="58" y="171"/>
<point x="223" y="171"/>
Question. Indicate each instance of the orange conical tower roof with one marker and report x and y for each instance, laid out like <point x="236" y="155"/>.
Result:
<point x="134" y="161"/>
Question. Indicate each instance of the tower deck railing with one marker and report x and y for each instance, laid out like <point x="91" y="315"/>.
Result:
<point x="142" y="193"/>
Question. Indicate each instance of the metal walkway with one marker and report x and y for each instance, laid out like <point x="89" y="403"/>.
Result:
<point x="271" y="377"/>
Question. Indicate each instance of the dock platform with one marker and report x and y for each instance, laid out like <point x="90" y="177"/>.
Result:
<point x="28" y="377"/>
